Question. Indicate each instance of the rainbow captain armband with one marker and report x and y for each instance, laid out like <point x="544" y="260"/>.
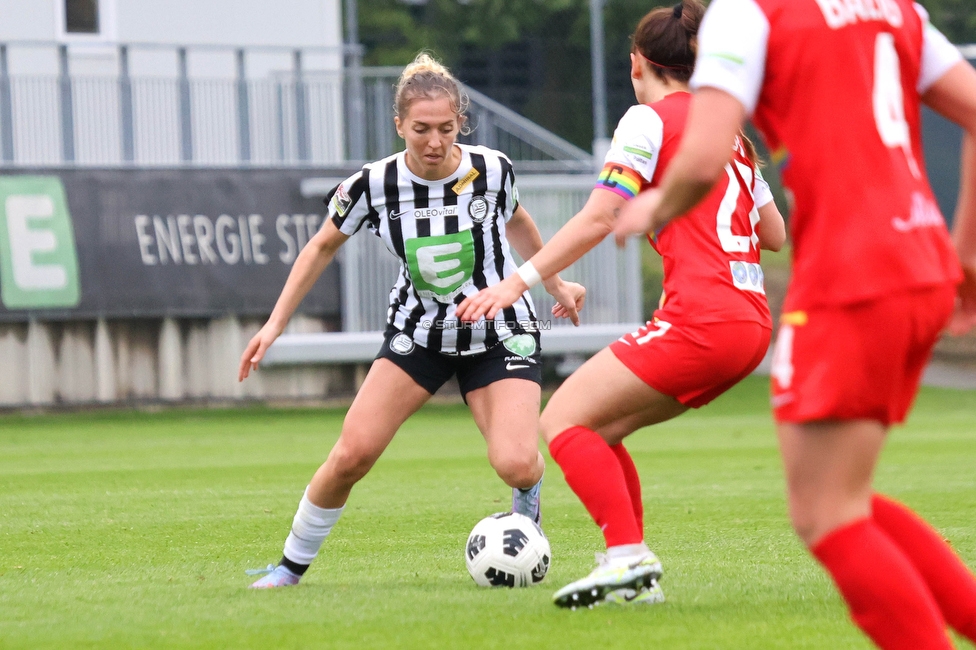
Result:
<point x="623" y="180"/>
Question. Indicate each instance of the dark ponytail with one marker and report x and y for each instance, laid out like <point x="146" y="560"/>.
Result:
<point x="667" y="39"/>
<point x="751" y="152"/>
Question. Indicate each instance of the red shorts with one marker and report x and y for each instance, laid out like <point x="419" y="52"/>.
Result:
<point x="860" y="361"/>
<point x="693" y="362"/>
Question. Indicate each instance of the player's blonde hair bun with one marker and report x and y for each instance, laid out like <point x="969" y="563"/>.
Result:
<point x="424" y="62"/>
<point x="426" y="78"/>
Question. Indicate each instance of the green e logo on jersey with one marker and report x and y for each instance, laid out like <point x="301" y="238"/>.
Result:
<point x="441" y="266"/>
<point x="38" y="261"/>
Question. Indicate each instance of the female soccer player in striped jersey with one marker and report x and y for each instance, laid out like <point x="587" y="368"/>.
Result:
<point x="837" y="87"/>
<point x="448" y="211"/>
<point x="712" y="329"/>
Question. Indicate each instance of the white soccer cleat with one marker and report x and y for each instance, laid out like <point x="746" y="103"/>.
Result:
<point x="631" y="580"/>
<point x="278" y="576"/>
<point x="528" y="502"/>
<point x="649" y="596"/>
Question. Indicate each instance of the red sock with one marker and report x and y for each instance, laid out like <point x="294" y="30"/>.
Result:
<point x="886" y="596"/>
<point x="594" y="474"/>
<point x="633" y="481"/>
<point x="952" y="584"/>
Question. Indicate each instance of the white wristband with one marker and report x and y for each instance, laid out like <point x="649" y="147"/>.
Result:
<point x="529" y="275"/>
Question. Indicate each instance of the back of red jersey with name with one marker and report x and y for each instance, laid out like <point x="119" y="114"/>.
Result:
<point x="711" y="254"/>
<point x="840" y="109"/>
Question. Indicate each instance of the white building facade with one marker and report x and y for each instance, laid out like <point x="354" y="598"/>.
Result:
<point x="28" y="25"/>
<point x="164" y="82"/>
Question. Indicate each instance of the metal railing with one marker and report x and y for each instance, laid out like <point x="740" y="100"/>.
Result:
<point x="612" y="277"/>
<point x="292" y="117"/>
<point x="493" y="125"/>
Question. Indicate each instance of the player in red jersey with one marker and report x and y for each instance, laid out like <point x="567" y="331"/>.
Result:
<point x="711" y="331"/>
<point x="836" y="88"/>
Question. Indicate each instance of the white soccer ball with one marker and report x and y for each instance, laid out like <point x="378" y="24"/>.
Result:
<point x="507" y="550"/>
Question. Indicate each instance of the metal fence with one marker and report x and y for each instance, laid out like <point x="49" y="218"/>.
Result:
<point x="293" y="117"/>
<point x="493" y="125"/>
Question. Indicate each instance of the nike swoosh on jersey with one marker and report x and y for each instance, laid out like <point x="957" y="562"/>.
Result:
<point x="511" y="366"/>
<point x="397" y="215"/>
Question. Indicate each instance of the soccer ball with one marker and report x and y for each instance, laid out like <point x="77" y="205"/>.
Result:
<point x="507" y="550"/>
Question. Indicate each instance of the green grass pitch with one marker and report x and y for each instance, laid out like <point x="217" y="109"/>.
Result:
<point x="133" y="530"/>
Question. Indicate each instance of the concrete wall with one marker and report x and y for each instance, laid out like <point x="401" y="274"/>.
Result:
<point x="89" y="362"/>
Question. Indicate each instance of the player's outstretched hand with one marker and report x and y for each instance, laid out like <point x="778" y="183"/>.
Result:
<point x="636" y="217"/>
<point x="488" y="301"/>
<point x="569" y="296"/>
<point x="964" y="317"/>
<point x="255" y="350"/>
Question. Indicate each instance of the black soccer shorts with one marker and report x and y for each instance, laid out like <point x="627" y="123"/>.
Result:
<point x="516" y="357"/>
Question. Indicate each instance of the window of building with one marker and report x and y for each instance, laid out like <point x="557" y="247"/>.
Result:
<point x="85" y="21"/>
<point x="81" y="17"/>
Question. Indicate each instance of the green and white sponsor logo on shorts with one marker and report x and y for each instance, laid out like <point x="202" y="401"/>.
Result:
<point x="38" y="260"/>
<point x="441" y="267"/>
<point x="521" y="344"/>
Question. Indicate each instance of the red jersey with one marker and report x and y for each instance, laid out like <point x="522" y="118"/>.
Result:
<point x="711" y="255"/>
<point x="835" y="88"/>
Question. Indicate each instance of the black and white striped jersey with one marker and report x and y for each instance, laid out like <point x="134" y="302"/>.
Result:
<point x="449" y="236"/>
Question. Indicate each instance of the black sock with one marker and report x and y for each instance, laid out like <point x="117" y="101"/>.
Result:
<point x="294" y="567"/>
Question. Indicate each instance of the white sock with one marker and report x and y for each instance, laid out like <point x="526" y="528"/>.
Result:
<point x="309" y="529"/>
<point x="627" y="551"/>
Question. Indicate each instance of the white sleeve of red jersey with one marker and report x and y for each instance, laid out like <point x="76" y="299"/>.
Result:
<point x="938" y="54"/>
<point x="637" y="141"/>
<point x="761" y="192"/>
<point x="732" y="43"/>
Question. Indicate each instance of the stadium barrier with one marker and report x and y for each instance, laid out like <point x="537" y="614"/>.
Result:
<point x="145" y="360"/>
<point x="133" y="319"/>
<point x="176" y="360"/>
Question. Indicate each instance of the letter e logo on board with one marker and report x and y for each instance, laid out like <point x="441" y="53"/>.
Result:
<point x="38" y="259"/>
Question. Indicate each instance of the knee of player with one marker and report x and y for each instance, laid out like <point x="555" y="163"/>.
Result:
<point x="351" y="461"/>
<point x="806" y="524"/>
<point x="518" y="470"/>
<point x="550" y="426"/>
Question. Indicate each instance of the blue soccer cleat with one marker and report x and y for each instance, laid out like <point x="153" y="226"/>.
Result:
<point x="277" y="576"/>
<point x="528" y="502"/>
